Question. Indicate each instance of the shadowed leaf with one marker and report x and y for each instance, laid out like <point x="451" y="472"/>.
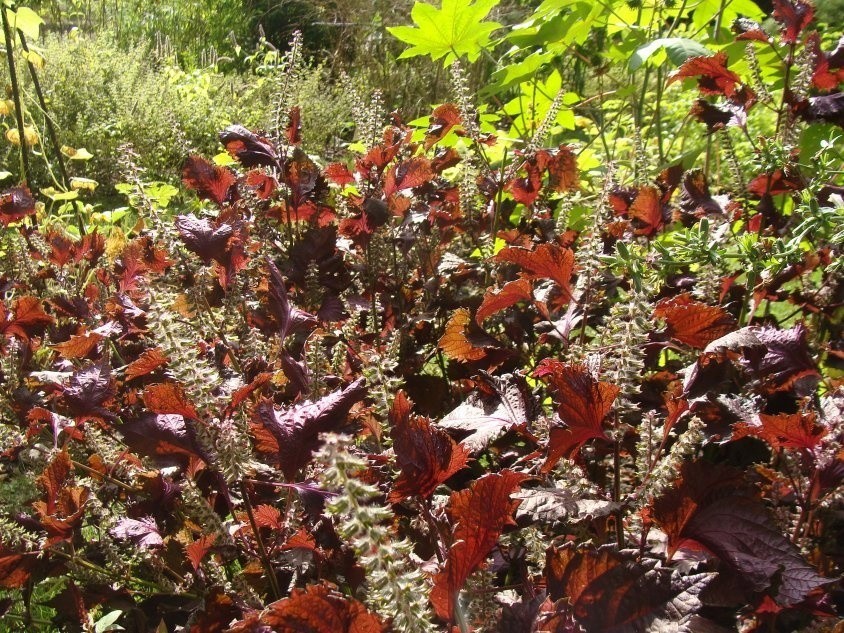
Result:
<point x="15" y="204"/>
<point x="211" y="182"/>
<point x="248" y="148"/>
<point x="443" y="118"/>
<point x="794" y="16"/>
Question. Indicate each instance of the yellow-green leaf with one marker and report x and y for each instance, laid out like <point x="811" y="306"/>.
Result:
<point x="26" y="21"/>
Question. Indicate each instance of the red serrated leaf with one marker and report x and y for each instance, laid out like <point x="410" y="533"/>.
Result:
<point x="794" y="16"/>
<point x="646" y="212"/>
<point x="264" y="184"/>
<point x="307" y="185"/>
<point x="297" y="429"/>
<point x="525" y="190"/>
<point x="711" y="506"/>
<point x="497" y="300"/>
<point x="293" y="130"/>
<point x="426" y="455"/>
<point x="15" y="204"/>
<point x="442" y="119"/>
<point x="268" y="517"/>
<point x="695" y="199"/>
<point x="197" y="550"/>
<point x="301" y="540"/>
<point x="314" y="609"/>
<point x="53" y="478"/>
<point x="248" y="148"/>
<point x="582" y="404"/>
<point x="798" y="431"/>
<point x="78" y="345"/>
<point x="605" y="590"/>
<point x="693" y="323"/>
<point x="408" y="174"/>
<point x="563" y="173"/>
<point x="27" y="318"/>
<point x="713" y="76"/>
<point x="463" y="340"/>
<point x="16" y="567"/>
<point x="169" y="398"/>
<point x="241" y="394"/>
<point x="211" y="182"/>
<point x="146" y="363"/>
<point x="547" y="261"/>
<point x="823" y="77"/>
<point x="776" y="183"/>
<point x="339" y="174"/>
<point x="479" y="515"/>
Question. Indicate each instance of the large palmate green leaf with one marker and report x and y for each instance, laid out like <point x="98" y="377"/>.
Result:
<point x="678" y="49"/>
<point x="456" y="29"/>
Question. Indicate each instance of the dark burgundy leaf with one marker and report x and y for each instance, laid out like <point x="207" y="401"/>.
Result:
<point x="827" y="108"/>
<point x="297" y="429"/>
<point x="746" y="29"/>
<point x="787" y="363"/>
<point x="426" y="455"/>
<point x="487" y="417"/>
<point x="794" y="16"/>
<point x="479" y="515"/>
<point x="211" y="182"/>
<point x="293" y="131"/>
<point x="203" y="238"/>
<point x="289" y="318"/>
<point x="15" y="204"/>
<point x="162" y="435"/>
<point x="694" y="195"/>
<point x="88" y="389"/>
<point x="712" y="506"/>
<point x="248" y="148"/>
<point x="142" y="532"/>
<point x="779" y="182"/>
<point x="716" y="118"/>
<point x="609" y="591"/>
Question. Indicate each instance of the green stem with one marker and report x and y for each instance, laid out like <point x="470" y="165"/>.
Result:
<point x="16" y="94"/>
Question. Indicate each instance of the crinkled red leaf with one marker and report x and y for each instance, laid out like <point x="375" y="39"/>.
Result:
<point x="646" y="212"/>
<point x="211" y="182"/>
<point x="563" y="173"/>
<point x="443" y="118"/>
<point x="146" y="363"/>
<point x="27" y="318"/>
<point x="169" y="398"/>
<point x="693" y="323"/>
<point x="525" y="189"/>
<point x="263" y="183"/>
<point x="583" y="404"/>
<point x="712" y="74"/>
<point x="794" y="16"/>
<point x="823" y="77"/>
<point x="142" y="532"/>
<point x="16" y="567"/>
<point x="162" y="435"/>
<point x="15" y="204"/>
<point x="408" y="174"/>
<point x="339" y="174"/>
<point x="314" y="609"/>
<point x="712" y="506"/>
<point x="797" y="430"/>
<point x="248" y="148"/>
<point x="297" y="428"/>
<point x="497" y="300"/>
<point x="426" y="455"/>
<point x="78" y="345"/>
<point x="53" y="478"/>
<point x="241" y="394"/>
<point x="605" y="590"/>
<point x="547" y="261"/>
<point x="479" y="516"/>
<point x="747" y="29"/>
<point x="307" y="185"/>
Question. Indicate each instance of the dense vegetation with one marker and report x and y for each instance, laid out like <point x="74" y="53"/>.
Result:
<point x="510" y="317"/>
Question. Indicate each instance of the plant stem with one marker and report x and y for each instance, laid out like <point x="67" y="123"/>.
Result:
<point x="16" y="95"/>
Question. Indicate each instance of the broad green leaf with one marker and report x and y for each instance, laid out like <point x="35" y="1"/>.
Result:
<point x="76" y="154"/>
<point x="678" y="49"/>
<point x="59" y="196"/>
<point x="26" y="21"/>
<point x="5" y="174"/>
<point x="454" y="30"/>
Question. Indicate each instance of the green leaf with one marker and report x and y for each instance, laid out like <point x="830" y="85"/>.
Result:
<point x="26" y="21"/>
<point x="678" y="49"/>
<point x="456" y="29"/>
<point x="107" y="622"/>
